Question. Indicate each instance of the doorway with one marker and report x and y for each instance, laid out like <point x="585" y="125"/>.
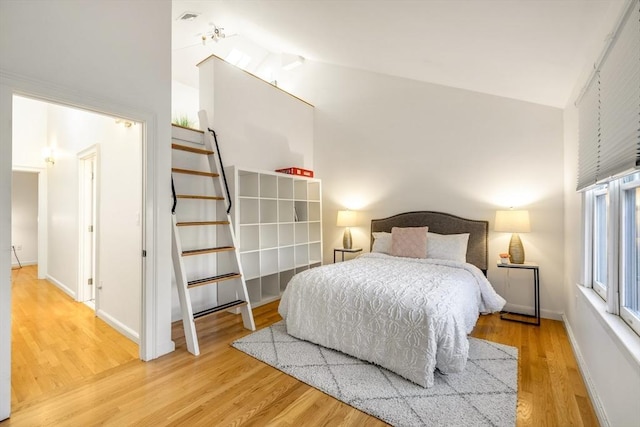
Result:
<point x="87" y="202"/>
<point x="74" y="149"/>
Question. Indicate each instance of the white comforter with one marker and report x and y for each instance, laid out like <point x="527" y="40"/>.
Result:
<point x="410" y="316"/>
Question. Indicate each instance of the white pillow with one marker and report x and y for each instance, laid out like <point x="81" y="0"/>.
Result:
<point x="447" y="246"/>
<point x="381" y="242"/>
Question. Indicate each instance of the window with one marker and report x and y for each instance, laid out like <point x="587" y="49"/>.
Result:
<point x="608" y="177"/>
<point x="630" y="252"/>
<point x="600" y="242"/>
<point x="612" y="239"/>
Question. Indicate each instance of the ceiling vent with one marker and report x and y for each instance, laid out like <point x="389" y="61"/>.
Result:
<point x="188" y="16"/>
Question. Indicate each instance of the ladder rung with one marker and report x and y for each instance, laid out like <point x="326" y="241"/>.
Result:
<point x="191" y="223"/>
<point x="214" y="279"/>
<point x="191" y="149"/>
<point x="187" y="128"/>
<point x="212" y="310"/>
<point x="195" y="196"/>
<point x="207" y="250"/>
<point x="192" y="172"/>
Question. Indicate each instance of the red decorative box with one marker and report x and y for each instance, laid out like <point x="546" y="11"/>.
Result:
<point x="297" y="171"/>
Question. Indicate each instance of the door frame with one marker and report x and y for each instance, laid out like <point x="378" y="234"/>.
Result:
<point x="155" y="336"/>
<point x="42" y="213"/>
<point x="84" y="292"/>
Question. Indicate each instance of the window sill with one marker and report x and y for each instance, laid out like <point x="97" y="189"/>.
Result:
<point x="625" y="338"/>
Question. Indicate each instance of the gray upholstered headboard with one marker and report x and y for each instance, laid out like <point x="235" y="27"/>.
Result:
<point x="443" y="223"/>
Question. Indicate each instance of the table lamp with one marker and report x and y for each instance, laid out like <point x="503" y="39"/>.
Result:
<point x="514" y="222"/>
<point x="346" y="219"/>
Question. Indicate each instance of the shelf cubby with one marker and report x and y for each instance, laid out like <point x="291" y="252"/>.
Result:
<point x="268" y="261"/>
<point x="285" y="235"/>
<point x="300" y="189"/>
<point x="271" y="286"/>
<point x="313" y="211"/>
<point x="268" y="186"/>
<point x="248" y="182"/>
<point x="285" y="211"/>
<point x="302" y="255"/>
<point x="268" y="211"/>
<point x="250" y="264"/>
<point x="285" y="277"/>
<point x="315" y="231"/>
<point x="315" y="252"/>
<point x="301" y="213"/>
<point x="285" y="188"/>
<point x="301" y="231"/>
<point x="249" y="238"/>
<point x="268" y="236"/>
<point x="287" y="258"/>
<point x="249" y="211"/>
<point x="313" y="191"/>
<point x="254" y="291"/>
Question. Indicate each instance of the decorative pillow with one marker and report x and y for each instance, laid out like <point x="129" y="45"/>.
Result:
<point x="381" y="242"/>
<point x="447" y="246"/>
<point x="410" y="242"/>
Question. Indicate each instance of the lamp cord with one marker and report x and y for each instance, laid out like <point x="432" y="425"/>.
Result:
<point x="16" y="255"/>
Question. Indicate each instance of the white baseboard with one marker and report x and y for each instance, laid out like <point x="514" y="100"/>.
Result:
<point x="24" y="264"/>
<point x="119" y="326"/>
<point x="591" y="388"/>
<point x="546" y="314"/>
<point x="62" y="287"/>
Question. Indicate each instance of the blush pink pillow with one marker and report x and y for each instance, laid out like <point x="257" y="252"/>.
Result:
<point x="410" y="242"/>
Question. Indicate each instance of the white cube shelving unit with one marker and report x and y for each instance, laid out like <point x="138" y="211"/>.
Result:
<point x="279" y="228"/>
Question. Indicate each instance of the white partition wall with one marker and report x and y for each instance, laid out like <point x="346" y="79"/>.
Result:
<point x="259" y="125"/>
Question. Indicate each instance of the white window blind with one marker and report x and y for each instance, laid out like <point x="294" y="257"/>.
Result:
<point x="609" y="112"/>
<point x="620" y="101"/>
<point x="589" y="134"/>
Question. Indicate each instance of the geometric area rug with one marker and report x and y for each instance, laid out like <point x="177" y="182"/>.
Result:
<point x="484" y="394"/>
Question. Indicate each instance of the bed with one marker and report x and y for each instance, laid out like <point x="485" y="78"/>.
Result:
<point x="408" y="314"/>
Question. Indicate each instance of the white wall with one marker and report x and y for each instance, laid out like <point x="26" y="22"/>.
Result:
<point x="120" y="228"/>
<point x="184" y="102"/>
<point x="258" y="125"/>
<point x="385" y="145"/>
<point x="24" y="214"/>
<point x="113" y="56"/>
<point x="119" y="211"/>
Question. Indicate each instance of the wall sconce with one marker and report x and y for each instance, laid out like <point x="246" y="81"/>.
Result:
<point x="346" y="219"/>
<point x="48" y="154"/>
<point x="126" y="123"/>
<point x="514" y="222"/>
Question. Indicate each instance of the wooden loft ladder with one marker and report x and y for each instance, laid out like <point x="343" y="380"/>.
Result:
<point x="213" y="258"/>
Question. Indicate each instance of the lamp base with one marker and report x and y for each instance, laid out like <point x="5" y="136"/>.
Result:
<point x="346" y="239"/>
<point x="516" y="250"/>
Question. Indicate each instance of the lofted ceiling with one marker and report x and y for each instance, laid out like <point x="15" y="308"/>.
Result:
<point x="532" y="50"/>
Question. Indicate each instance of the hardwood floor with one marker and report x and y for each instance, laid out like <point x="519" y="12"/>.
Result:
<point x="57" y="341"/>
<point x="224" y="386"/>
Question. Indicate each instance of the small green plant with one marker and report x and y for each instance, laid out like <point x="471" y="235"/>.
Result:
<point x="184" y="121"/>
